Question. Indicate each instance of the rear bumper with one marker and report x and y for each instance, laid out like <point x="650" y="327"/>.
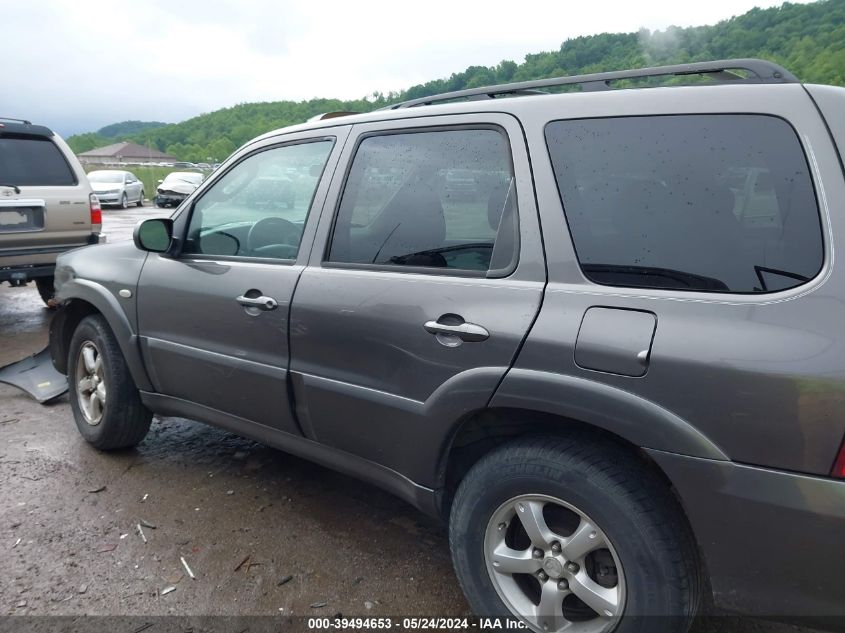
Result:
<point x="22" y="274"/>
<point x="772" y="541"/>
<point x="25" y="260"/>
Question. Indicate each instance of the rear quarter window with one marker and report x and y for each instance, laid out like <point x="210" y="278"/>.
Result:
<point x="719" y="203"/>
<point x="33" y="161"/>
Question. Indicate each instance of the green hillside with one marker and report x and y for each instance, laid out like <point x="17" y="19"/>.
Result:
<point x="126" y="128"/>
<point x="805" y="38"/>
<point x="113" y="133"/>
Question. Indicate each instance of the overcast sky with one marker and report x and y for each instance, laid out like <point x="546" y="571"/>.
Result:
<point x="79" y="65"/>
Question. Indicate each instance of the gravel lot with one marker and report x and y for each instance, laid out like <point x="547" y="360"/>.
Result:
<point x="261" y="530"/>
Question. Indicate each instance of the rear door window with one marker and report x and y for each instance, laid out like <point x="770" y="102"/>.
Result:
<point x="720" y="203"/>
<point x="33" y="161"/>
<point x="441" y="199"/>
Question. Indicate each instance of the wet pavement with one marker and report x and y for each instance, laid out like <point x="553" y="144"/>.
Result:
<point x="263" y="532"/>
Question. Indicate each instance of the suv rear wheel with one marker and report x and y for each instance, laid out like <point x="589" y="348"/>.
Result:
<point x="105" y="402"/>
<point x="574" y="534"/>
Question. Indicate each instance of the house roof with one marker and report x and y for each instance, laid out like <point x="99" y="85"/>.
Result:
<point x="126" y="151"/>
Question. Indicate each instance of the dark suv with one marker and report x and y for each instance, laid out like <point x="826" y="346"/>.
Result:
<point x="599" y="332"/>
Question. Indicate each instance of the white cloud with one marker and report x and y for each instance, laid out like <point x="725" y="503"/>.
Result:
<point x="79" y="65"/>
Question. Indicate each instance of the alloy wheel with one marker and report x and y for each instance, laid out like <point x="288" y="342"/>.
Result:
<point x="90" y="383"/>
<point x="553" y="566"/>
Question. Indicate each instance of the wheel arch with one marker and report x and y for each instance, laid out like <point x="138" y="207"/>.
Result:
<point x="482" y="431"/>
<point x="533" y="402"/>
<point x="640" y="421"/>
<point x="82" y="298"/>
<point x="529" y="401"/>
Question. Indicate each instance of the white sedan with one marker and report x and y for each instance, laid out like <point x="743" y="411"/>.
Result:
<point x="116" y="187"/>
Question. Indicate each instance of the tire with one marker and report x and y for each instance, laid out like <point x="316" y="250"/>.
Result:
<point x="46" y="289"/>
<point x="141" y="199"/>
<point x="124" y="201"/>
<point x="642" y="557"/>
<point x="123" y="420"/>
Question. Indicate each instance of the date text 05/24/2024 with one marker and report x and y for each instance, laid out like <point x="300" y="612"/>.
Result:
<point x="451" y="624"/>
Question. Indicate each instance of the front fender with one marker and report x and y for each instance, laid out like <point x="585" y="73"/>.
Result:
<point x="620" y="412"/>
<point x="76" y="293"/>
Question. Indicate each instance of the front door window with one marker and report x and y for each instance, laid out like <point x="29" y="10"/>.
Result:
<point x="258" y="209"/>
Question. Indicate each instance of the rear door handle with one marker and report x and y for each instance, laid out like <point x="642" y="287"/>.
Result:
<point x="262" y="302"/>
<point x="469" y="332"/>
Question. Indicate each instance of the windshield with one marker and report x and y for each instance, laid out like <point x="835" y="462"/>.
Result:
<point x="106" y="176"/>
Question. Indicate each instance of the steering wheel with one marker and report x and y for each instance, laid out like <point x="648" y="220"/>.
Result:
<point x="273" y="237"/>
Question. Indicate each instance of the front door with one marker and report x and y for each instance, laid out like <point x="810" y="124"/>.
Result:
<point x="415" y="302"/>
<point x="214" y="320"/>
<point x="133" y="188"/>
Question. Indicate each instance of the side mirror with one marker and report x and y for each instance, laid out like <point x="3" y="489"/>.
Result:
<point x="160" y="181"/>
<point x="154" y="235"/>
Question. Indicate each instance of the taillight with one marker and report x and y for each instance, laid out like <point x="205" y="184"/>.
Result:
<point x="839" y="466"/>
<point x="96" y="211"/>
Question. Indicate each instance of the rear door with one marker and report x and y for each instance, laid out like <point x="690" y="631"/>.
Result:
<point x="214" y="320"/>
<point x="424" y="279"/>
<point x="49" y="211"/>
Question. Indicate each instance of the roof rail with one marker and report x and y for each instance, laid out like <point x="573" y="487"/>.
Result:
<point x="761" y="71"/>
<point x="24" y="121"/>
<point x="331" y="115"/>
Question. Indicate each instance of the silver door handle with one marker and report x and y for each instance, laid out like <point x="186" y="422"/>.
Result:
<point x="469" y="332"/>
<point x="262" y="302"/>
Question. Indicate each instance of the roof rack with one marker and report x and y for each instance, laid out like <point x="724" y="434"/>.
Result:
<point x="331" y="115"/>
<point x="24" y="121"/>
<point x="760" y="71"/>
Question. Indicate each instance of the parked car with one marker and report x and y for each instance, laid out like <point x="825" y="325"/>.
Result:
<point x="175" y="187"/>
<point x="117" y="187"/>
<point x="269" y="191"/>
<point x="47" y="206"/>
<point x="620" y="388"/>
<point x="460" y="183"/>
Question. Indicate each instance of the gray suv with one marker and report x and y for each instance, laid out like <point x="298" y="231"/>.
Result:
<point x="47" y="206"/>
<point x="598" y="332"/>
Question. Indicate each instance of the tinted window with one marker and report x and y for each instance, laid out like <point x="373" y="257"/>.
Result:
<point x="259" y="207"/>
<point x="33" y="161"/>
<point x="704" y="202"/>
<point x="440" y="199"/>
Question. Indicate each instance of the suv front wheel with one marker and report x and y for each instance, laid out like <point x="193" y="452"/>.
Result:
<point x="573" y="534"/>
<point x="106" y="405"/>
